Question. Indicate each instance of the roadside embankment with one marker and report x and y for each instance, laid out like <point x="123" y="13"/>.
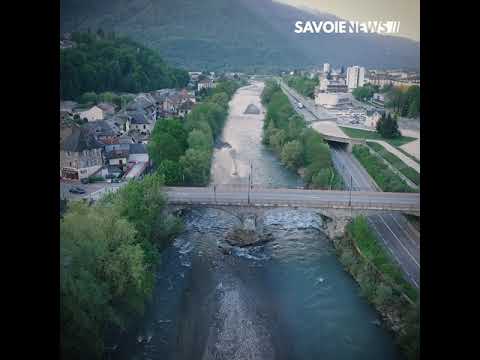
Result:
<point x="382" y="283"/>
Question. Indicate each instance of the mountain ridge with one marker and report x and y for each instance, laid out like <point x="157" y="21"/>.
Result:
<point x="234" y="35"/>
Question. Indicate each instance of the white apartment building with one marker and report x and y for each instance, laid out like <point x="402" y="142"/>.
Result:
<point x="326" y="68"/>
<point x="332" y="100"/>
<point x="355" y="77"/>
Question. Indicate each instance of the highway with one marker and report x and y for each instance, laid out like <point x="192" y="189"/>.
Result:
<point x="231" y="195"/>
<point x="351" y="170"/>
<point x="400" y="239"/>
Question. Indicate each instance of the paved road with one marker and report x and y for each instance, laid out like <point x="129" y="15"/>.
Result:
<point x="91" y="190"/>
<point x="311" y="112"/>
<point x="401" y="240"/>
<point x="352" y="171"/>
<point x="393" y="230"/>
<point x="294" y="197"/>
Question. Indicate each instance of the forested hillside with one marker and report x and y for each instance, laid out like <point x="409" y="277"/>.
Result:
<point x="237" y="35"/>
<point x="107" y="62"/>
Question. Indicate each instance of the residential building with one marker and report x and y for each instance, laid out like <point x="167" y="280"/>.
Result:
<point x="68" y="106"/>
<point x="355" y="77"/>
<point x="108" y="109"/>
<point x="145" y="103"/>
<point x="138" y="153"/>
<point x="332" y="100"/>
<point x="185" y="108"/>
<point x="117" y="155"/>
<point x="93" y="114"/>
<point x="332" y="86"/>
<point x="326" y="68"/>
<point x="80" y="154"/>
<point x="104" y="131"/>
<point x="205" y="84"/>
<point x="139" y="123"/>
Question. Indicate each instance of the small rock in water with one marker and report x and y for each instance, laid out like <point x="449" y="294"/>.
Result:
<point x="149" y="338"/>
<point x="320" y="280"/>
<point x="140" y="339"/>
<point x="376" y="322"/>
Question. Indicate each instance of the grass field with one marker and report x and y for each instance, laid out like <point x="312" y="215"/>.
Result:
<point x="379" y="171"/>
<point x="398" y="164"/>
<point x="373" y="135"/>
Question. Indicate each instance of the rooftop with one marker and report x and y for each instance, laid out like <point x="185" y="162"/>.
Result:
<point x="79" y="140"/>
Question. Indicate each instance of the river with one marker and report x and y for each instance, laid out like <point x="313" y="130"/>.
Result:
<point x="286" y="299"/>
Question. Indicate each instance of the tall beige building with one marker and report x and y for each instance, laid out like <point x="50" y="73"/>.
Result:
<point x="355" y="77"/>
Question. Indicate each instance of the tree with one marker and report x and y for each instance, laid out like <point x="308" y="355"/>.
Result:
<point x="196" y="167"/>
<point x="292" y="154"/>
<point x="387" y="126"/>
<point x="172" y="172"/>
<point x="104" y="277"/>
<point x="321" y="180"/>
<point x="277" y="139"/>
<point x="199" y="141"/>
<point x="141" y="203"/>
<point x="89" y="98"/>
<point x="315" y="149"/>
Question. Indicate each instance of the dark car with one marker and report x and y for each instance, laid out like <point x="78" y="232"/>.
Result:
<point x="77" y="190"/>
<point x="84" y="181"/>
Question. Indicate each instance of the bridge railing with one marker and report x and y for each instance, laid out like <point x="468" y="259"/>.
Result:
<point x="292" y="203"/>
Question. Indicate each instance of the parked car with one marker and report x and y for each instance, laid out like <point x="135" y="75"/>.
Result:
<point x="84" y="181"/>
<point x="77" y="190"/>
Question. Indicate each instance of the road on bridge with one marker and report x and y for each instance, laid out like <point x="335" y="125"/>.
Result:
<point x="231" y="195"/>
<point x="397" y="235"/>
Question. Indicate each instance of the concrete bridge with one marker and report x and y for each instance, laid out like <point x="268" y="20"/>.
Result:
<point x="241" y="195"/>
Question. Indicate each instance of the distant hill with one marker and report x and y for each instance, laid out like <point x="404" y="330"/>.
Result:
<point x="106" y="62"/>
<point x="235" y="34"/>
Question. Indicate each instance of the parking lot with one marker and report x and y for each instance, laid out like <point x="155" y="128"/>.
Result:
<point x="350" y="115"/>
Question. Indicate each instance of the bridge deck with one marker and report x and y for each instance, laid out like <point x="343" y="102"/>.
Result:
<point x="235" y="196"/>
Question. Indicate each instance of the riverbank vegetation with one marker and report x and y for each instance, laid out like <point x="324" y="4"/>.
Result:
<point x="379" y="171"/>
<point x="182" y="150"/>
<point x="375" y="135"/>
<point x="303" y="84"/>
<point x="102" y="62"/>
<point x="108" y="255"/>
<point x="398" y="164"/>
<point x="382" y="283"/>
<point x="298" y="147"/>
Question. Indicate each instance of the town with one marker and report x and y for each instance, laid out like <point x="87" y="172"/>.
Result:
<point x="105" y="142"/>
<point x="230" y="211"/>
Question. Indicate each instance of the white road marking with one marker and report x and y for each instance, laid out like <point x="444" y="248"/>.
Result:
<point x="408" y="237"/>
<point x="396" y="237"/>
<point x="393" y="254"/>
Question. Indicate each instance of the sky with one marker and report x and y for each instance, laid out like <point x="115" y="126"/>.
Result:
<point x="405" y="11"/>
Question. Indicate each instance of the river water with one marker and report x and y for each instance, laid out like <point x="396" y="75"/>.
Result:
<point x="286" y="299"/>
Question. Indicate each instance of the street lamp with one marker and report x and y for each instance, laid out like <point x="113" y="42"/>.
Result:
<point x="350" y="198"/>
